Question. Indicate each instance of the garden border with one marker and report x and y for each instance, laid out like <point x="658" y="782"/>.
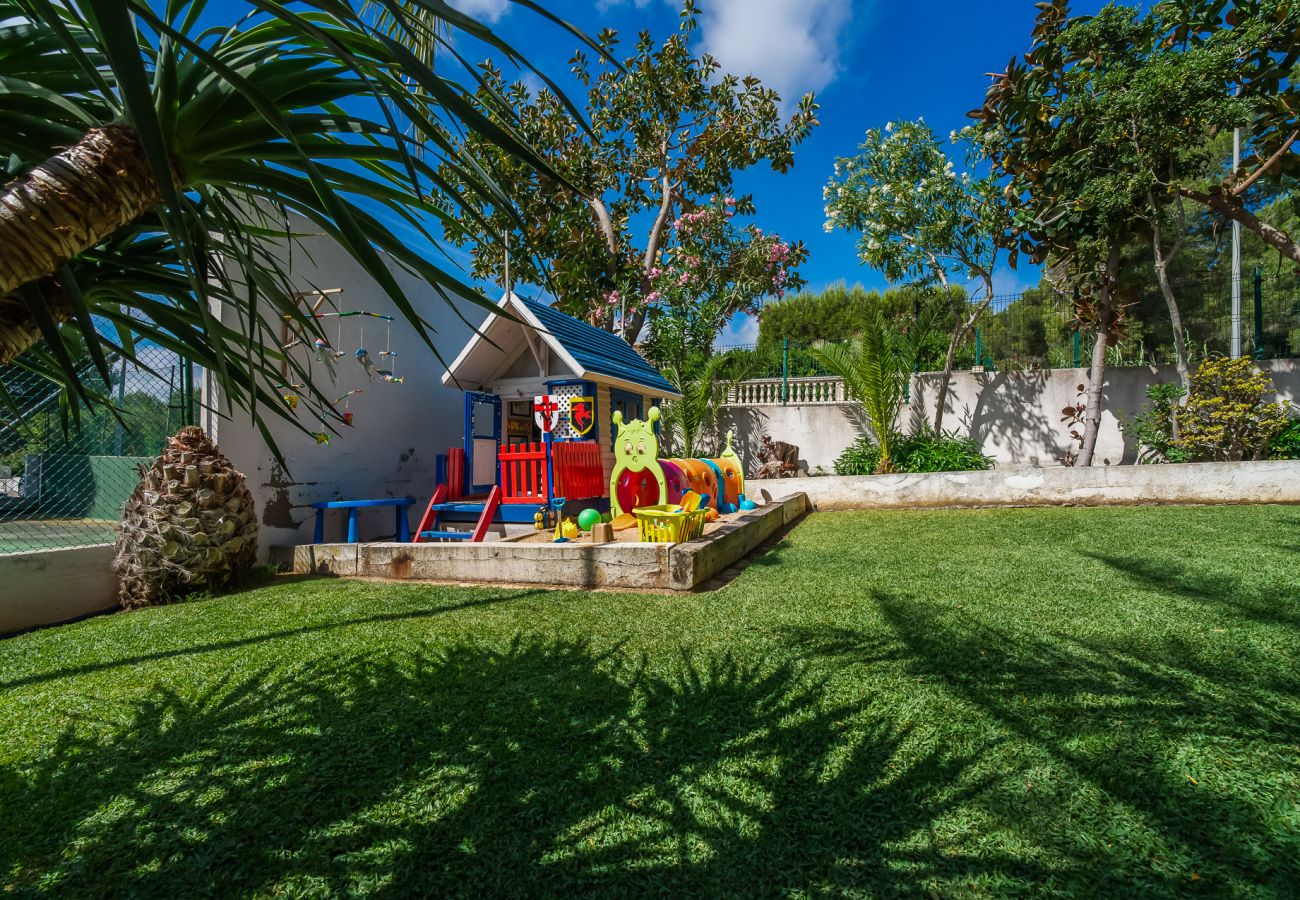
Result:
<point x="577" y="564"/>
<point x="1271" y="481"/>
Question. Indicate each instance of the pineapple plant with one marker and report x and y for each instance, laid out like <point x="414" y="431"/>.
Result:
<point x="188" y="526"/>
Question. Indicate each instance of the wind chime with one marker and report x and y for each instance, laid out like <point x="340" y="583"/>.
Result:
<point x="328" y="355"/>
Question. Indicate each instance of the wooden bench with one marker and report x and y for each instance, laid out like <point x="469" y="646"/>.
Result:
<point x="403" y="528"/>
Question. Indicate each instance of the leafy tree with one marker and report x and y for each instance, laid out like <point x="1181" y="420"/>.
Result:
<point x="155" y="166"/>
<point x="838" y="312"/>
<point x="1248" y="49"/>
<point x="713" y="271"/>
<point x="668" y="132"/>
<point x="919" y="221"/>
<point x="1057" y="130"/>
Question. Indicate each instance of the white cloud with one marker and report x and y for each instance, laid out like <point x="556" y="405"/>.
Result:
<point x="606" y="5"/>
<point x="489" y="11"/>
<point x="792" y="45"/>
<point x="741" y="331"/>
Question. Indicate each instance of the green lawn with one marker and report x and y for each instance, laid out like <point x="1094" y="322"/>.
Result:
<point x="1072" y="702"/>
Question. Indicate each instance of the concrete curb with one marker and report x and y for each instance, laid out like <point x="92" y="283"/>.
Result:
<point x="675" y="567"/>
<point x="1272" y="481"/>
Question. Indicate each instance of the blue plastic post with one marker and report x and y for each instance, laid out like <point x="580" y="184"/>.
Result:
<point x="319" y="536"/>
<point x="352" y="525"/>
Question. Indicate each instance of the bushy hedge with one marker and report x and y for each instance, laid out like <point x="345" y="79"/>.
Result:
<point x="915" y="453"/>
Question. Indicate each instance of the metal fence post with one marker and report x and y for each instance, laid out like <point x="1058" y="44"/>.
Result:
<point x="979" y="347"/>
<point x="1259" y="313"/>
<point x="785" y="370"/>
<point x="1075" y="340"/>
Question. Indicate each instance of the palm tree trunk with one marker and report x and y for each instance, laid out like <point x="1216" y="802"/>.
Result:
<point x="61" y="208"/>
<point x="1163" y="257"/>
<point x="1097" y="370"/>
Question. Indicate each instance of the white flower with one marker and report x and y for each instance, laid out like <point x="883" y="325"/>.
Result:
<point x="827" y="226"/>
<point x="889" y="126"/>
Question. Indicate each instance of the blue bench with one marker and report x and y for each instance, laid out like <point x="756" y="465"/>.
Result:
<point x="403" y="528"/>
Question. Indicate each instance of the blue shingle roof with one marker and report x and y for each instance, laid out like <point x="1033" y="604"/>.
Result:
<point x="599" y="351"/>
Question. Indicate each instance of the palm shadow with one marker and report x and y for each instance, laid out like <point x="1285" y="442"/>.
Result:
<point x="1110" y="720"/>
<point x="539" y="768"/>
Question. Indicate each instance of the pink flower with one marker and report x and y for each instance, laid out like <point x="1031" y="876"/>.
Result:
<point x="652" y="297"/>
<point x="655" y="271"/>
<point x="730" y="201"/>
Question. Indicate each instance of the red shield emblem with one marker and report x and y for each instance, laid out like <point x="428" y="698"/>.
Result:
<point x="582" y="414"/>
<point x="546" y="412"/>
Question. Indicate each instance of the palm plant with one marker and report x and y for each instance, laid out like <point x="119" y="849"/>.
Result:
<point x="875" y="367"/>
<point x="704" y="383"/>
<point x="158" y="168"/>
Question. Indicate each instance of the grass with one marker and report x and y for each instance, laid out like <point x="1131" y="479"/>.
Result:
<point x="1090" y="702"/>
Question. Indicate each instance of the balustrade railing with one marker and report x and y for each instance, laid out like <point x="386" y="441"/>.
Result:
<point x="817" y="391"/>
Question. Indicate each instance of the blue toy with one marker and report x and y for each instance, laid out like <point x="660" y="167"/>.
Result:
<point x="747" y="505"/>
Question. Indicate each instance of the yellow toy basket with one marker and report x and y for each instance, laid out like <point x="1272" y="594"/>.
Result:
<point x="669" y="524"/>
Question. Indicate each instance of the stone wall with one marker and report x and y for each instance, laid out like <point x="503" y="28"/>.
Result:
<point x="1016" y="416"/>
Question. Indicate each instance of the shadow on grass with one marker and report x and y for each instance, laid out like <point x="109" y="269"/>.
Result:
<point x="1267" y="605"/>
<point x="540" y="768"/>
<point x="1152" y="763"/>
<point x="236" y="643"/>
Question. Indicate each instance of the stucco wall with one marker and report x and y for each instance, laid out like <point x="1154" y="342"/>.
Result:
<point x="398" y="428"/>
<point x="1016" y="416"/>
<point x="1272" y="481"/>
<point x="48" y="586"/>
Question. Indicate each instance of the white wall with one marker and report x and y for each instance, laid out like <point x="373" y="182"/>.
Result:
<point x="47" y="586"/>
<point x="1016" y="416"/>
<point x="398" y="428"/>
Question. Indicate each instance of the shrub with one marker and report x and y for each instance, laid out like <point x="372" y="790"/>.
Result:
<point x="1154" y="427"/>
<point x="947" y="452"/>
<point x="915" y="453"/>
<point x="859" y="458"/>
<point x="1286" y="443"/>
<point x="1226" y="416"/>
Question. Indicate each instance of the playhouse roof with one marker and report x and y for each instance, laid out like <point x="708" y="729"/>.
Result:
<point x="590" y="352"/>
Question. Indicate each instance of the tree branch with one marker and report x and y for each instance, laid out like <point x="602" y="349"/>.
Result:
<point x="1264" y="167"/>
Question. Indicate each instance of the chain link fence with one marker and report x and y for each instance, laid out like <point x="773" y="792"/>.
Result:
<point x="64" y="485"/>
<point x="1038" y="330"/>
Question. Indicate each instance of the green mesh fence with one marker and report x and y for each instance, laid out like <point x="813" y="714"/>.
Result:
<point x="1037" y="329"/>
<point x="65" y="486"/>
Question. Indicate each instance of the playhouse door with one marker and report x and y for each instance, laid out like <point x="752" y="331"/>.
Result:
<point x="482" y="439"/>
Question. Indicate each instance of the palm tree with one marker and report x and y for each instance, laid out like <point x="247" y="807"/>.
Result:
<point x="691" y="421"/>
<point x="875" y="367"/>
<point x="158" y="166"/>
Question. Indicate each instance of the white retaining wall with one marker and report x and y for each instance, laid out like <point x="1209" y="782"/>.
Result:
<point x="47" y="586"/>
<point x="1275" y="481"/>
<point x="1016" y="416"/>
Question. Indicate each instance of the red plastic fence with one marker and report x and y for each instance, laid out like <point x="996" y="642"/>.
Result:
<point x="578" y="473"/>
<point x="523" y="473"/>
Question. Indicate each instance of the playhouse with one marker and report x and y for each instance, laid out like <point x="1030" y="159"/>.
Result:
<point x="541" y="389"/>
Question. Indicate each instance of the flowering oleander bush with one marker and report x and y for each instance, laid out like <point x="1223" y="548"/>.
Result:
<point x="713" y="269"/>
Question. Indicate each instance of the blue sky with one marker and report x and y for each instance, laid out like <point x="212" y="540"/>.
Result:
<point x="869" y="62"/>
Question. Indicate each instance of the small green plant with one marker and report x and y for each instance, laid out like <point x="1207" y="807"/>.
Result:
<point x="1286" y="443"/>
<point x="921" y="452"/>
<point x="1226" y="416"/>
<point x="926" y="452"/>
<point x="862" y="457"/>
<point x="1154" y="427"/>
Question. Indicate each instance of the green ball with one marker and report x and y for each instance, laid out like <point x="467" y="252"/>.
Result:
<point x="588" y="518"/>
